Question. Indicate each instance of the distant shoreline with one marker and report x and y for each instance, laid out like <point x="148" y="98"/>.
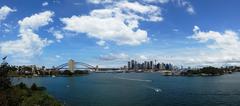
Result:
<point x="79" y="75"/>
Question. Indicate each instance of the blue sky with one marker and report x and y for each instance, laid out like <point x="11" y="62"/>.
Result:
<point x="111" y="32"/>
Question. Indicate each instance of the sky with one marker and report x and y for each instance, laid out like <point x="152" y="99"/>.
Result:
<point x="108" y="33"/>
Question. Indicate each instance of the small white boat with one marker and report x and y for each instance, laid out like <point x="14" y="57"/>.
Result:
<point x="158" y="90"/>
<point x="35" y="75"/>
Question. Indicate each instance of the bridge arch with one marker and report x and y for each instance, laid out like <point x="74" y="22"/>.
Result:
<point x="72" y="66"/>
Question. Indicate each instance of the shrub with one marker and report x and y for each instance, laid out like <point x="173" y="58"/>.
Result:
<point x="34" y="87"/>
<point x="22" y="85"/>
<point x="5" y="81"/>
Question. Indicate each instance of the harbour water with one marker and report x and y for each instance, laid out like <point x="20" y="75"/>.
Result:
<point x="141" y="89"/>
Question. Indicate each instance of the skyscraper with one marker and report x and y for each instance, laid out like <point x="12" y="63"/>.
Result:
<point x="132" y="64"/>
<point x="129" y="65"/>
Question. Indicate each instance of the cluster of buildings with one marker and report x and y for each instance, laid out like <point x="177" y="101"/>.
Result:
<point x="134" y="65"/>
<point x="30" y="69"/>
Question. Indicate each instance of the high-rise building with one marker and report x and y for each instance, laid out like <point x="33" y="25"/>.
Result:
<point x="129" y="65"/>
<point x="135" y="65"/>
<point x="151" y="65"/>
<point x="132" y="64"/>
<point x="145" y="65"/>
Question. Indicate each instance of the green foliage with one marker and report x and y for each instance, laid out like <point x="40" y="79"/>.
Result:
<point x="22" y="86"/>
<point x="210" y="71"/>
<point x="79" y="72"/>
<point x="4" y="79"/>
<point x="21" y="95"/>
<point x="34" y="87"/>
<point x="40" y="99"/>
<point x="67" y="72"/>
<point x="13" y="68"/>
<point x="26" y="68"/>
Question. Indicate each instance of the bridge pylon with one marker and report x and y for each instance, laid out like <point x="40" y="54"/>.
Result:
<point x="96" y="69"/>
<point x="71" y="65"/>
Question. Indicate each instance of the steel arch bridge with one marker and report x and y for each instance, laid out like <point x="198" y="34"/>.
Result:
<point x="87" y="66"/>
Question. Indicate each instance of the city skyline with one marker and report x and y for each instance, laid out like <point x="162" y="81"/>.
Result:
<point x="112" y="32"/>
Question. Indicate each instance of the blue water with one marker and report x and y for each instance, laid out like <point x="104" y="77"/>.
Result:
<point x="142" y="89"/>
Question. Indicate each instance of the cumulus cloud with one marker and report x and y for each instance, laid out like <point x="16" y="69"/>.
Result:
<point x="114" y="57"/>
<point x="223" y="47"/>
<point x="157" y="1"/>
<point x="5" y="11"/>
<point x="224" y="41"/>
<point x="182" y="3"/>
<point x="35" y="21"/>
<point x="56" y="33"/>
<point x="45" y="3"/>
<point x="6" y="28"/>
<point x="58" y="56"/>
<point x="99" y="1"/>
<point x="118" y="22"/>
<point x="176" y="30"/>
<point x="101" y="43"/>
<point x="29" y="43"/>
<point x="187" y="5"/>
<point x="219" y="49"/>
<point x="142" y="57"/>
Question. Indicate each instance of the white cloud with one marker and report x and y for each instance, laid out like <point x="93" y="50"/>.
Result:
<point x="99" y="1"/>
<point x="36" y="21"/>
<point x="114" y="57"/>
<point x="118" y="23"/>
<point x="45" y="3"/>
<point x="6" y="28"/>
<point x="101" y="43"/>
<point x="219" y="49"/>
<point x="157" y="1"/>
<point x="29" y="43"/>
<point x="4" y="11"/>
<point x="56" y="1"/>
<point x="176" y="30"/>
<point x="142" y="57"/>
<point x="137" y="7"/>
<point x="58" y="35"/>
<point x="222" y="47"/>
<point x="77" y="4"/>
<point x="106" y="47"/>
<point x="227" y="40"/>
<point x="182" y="3"/>
<point x="187" y="5"/>
<point x="58" y="56"/>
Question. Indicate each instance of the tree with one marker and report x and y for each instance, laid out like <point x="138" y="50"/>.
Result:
<point x="5" y="81"/>
<point x="34" y="87"/>
<point x="67" y="72"/>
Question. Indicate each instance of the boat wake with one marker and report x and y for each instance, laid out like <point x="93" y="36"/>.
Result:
<point x="141" y="80"/>
<point x="155" y="89"/>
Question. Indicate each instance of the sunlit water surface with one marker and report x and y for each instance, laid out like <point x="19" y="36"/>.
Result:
<point x="141" y="89"/>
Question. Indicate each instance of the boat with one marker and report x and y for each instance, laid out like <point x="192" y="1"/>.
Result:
<point x="166" y="73"/>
